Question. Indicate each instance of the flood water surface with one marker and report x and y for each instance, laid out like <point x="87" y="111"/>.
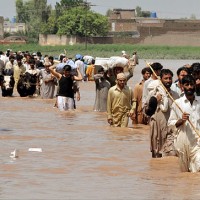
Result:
<point x="82" y="157"/>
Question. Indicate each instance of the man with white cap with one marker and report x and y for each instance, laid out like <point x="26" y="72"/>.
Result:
<point x="120" y="103"/>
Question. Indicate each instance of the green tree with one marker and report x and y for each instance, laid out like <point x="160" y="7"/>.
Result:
<point x="66" y="5"/>
<point x="34" y="13"/>
<point x="145" y="14"/>
<point x="109" y="12"/>
<point x="51" y="27"/>
<point x="138" y="11"/>
<point x="82" y="22"/>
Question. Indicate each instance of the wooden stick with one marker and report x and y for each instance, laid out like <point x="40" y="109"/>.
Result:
<point x="191" y="124"/>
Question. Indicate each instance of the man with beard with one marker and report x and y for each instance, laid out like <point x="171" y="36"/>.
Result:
<point x="187" y="142"/>
<point x="196" y="75"/>
<point x="158" y="121"/>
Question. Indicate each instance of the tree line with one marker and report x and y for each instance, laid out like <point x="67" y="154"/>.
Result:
<point x="69" y="17"/>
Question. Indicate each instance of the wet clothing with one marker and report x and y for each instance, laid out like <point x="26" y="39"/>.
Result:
<point x="186" y="138"/>
<point x="66" y="87"/>
<point x="140" y="118"/>
<point x="48" y="84"/>
<point x="175" y="87"/>
<point x="119" y="104"/>
<point x="18" y="71"/>
<point x="66" y="93"/>
<point x="90" y="72"/>
<point x="159" y="130"/>
<point x="102" y="87"/>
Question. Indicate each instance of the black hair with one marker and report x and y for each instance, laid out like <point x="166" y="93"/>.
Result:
<point x="156" y="66"/>
<point x="39" y="54"/>
<point x="11" y="57"/>
<point x="51" y="58"/>
<point x="32" y="61"/>
<point x="101" y="70"/>
<point x="195" y="68"/>
<point x="182" y="69"/>
<point x="188" y="79"/>
<point x="166" y="71"/>
<point x="67" y="68"/>
<point x="146" y="69"/>
<point x="19" y="57"/>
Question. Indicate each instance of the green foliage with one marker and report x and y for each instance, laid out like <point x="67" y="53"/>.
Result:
<point x="34" y="13"/>
<point x="108" y="50"/>
<point x="140" y="13"/>
<point x="70" y="17"/>
<point x="108" y="12"/>
<point x="51" y="26"/>
<point x="81" y="21"/>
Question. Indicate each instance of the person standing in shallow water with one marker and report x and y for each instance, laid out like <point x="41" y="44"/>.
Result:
<point x="120" y="103"/>
<point x="187" y="141"/>
<point x="102" y="87"/>
<point x="139" y="117"/>
<point x="65" y="99"/>
<point x="49" y="82"/>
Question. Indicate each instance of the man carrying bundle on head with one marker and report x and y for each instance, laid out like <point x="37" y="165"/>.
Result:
<point x="116" y="65"/>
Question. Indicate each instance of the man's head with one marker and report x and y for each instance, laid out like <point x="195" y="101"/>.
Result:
<point x="11" y="58"/>
<point x="188" y="84"/>
<point x="196" y="71"/>
<point x="181" y="72"/>
<point x="19" y="59"/>
<point x="118" y="70"/>
<point x="157" y="68"/>
<point x="32" y="63"/>
<point x="166" y="76"/>
<point x="101" y="70"/>
<point x="67" y="69"/>
<point x="146" y="73"/>
<point x="121" y="80"/>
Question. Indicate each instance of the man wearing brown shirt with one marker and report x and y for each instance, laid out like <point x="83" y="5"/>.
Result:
<point x="139" y="117"/>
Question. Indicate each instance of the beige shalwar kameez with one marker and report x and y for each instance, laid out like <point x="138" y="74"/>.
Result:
<point x="119" y="104"/>
<point x="186" y="138"/>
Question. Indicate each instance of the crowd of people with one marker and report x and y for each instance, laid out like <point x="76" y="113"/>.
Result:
<point x="171" y="108"/>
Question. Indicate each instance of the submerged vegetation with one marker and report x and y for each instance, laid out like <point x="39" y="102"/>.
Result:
<point x="108" y="50"/>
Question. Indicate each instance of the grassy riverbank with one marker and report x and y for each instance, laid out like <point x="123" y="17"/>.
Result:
<point x="107" y="50"/>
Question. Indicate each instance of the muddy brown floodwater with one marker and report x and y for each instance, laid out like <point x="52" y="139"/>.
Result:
<point x="82" y="157"/>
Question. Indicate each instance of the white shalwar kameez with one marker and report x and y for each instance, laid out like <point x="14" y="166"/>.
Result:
<point x="186" y="138"/>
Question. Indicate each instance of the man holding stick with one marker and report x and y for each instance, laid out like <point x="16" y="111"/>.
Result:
<point x="185" y="119"/>
<point x="160" y="91"/>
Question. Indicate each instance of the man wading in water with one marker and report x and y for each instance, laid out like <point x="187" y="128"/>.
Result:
<point x="187" y="138"/>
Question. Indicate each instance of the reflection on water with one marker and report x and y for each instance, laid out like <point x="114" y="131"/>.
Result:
<point x="82" y="157"/>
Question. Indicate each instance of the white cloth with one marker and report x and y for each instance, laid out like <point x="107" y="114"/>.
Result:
<point x="175" y="87"/>
<point x="145" y="91"/>
<point x="154" y="88"/>
<point x="65" y="103"/>
<point x="33" y="71"/>
<point x="80" y="64"/>
<point x="186" y="138"/>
